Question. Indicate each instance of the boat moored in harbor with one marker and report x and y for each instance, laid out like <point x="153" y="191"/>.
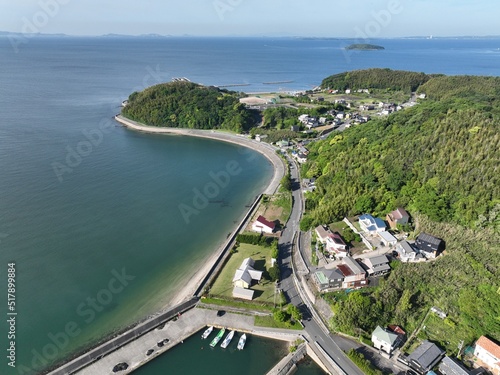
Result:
<point x="227" y="340"/>
<point x="242" y="341"/>
<point x="217" y="338"/>
<point x="207" y="332"/>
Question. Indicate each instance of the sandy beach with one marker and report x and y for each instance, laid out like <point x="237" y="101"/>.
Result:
<point x="268" y="151"/>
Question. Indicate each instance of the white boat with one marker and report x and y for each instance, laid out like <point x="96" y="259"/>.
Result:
<point x="218" y="337"/>
<point x="227" y="340"/>
<point x="207" y="332"/>
<point x="242" y="341"/>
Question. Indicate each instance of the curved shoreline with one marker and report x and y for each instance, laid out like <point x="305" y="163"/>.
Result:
<point x="263" y="148"/>
<point x="189" y="289"/>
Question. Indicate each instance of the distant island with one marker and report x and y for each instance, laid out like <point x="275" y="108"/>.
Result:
<point x="364" y="47"/>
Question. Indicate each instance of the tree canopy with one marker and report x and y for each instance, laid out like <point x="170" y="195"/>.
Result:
<point x="439" y="158"/>
<point x="189" y="105"/>
<point x="376" y="79"/>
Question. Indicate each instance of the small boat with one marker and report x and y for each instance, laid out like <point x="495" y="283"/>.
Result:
<point x="242" y="341"/>
<point x="217" y="338"/>
<point x="227" y="340"/>
<point x="207" y="332"/>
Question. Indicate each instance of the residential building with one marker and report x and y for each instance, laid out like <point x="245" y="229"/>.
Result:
<point x="407" y="252"/>
<point x="398" y="216"/>
<point x="371" y="225"/>
<point x="301" y="158"/>
<point x="354" y="274"/>
<point x="451" y="366"/>
<point x="322" y="233"/>
<point x="488" y="353"/>
<point x="377" y="266"/>
<point x="384" y="339"/>
<point x="428" y="245"/>
<point x="333" y="242"/>
<point x="246" y="274"/>
<point x="328" y="279"/>
<point x="262" y="225"/>
<point x="396" y="329"/>
<point x="387" y="239"/>
<point x="425" y="357"/>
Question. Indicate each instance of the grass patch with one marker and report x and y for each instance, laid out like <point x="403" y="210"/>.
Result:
<point x="237" y="304"/>
<point x="223" y="285"/>
<point x="443" y="332"/>
<point x="338" y="226"/>
<point x="364" y="364"/>
<point x="268" y="321"/>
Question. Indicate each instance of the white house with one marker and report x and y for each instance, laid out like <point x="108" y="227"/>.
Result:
<point x="261" y="225"/>
<point x="385" y="340"/>
<point x="488" y="352"/>
<point x="408" y="252"/>
<point x="370" y="224"/>
<point x="244" y="275"/>
<point x="387" y="239"/>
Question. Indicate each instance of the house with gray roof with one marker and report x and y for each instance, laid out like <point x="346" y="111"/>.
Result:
<point x="385" y="340"/>
<point x="451" y="366"/>
<point x="246" y="274"/>
<point x="328" y="278"/>
<point x="376" y="266"/>
<point x="425" y="357"/>
<point x="408" y="252"/>
<point x="398" y="216"/>
<point x="428" y="245"/>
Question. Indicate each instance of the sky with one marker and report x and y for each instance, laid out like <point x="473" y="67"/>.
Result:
<point x="315" y="18"/>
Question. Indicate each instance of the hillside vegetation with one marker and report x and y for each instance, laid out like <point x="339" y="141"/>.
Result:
<point x="188" y="105"/>
<point x="397" y="80"/>
<point x="440" y="160"/>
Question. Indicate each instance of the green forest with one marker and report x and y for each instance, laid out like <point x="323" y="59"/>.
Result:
<point x="384" y="79"/>
<point x="440" y="160"/>
<point x="189" y="105"/>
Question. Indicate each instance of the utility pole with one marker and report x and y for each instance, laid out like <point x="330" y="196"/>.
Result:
<point x="460" y="346"/>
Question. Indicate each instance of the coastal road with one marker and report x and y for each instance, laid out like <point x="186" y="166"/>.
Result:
<point x="287" y="285"/>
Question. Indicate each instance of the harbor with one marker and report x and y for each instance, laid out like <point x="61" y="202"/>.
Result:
<point x="135" y="353"/>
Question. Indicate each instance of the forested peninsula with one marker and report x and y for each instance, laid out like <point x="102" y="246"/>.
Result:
<point x="189" y="105"/>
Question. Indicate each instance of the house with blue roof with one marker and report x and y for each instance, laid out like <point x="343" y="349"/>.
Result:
<point x="371" y="225"/>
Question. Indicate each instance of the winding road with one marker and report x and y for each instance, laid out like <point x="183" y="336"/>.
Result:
<point x="312" y="323"/>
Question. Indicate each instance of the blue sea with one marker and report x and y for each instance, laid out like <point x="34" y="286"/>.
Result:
<point x="89" y="211"/>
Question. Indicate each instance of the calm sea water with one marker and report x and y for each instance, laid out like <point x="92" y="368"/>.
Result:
<point x="89" y="211"/>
